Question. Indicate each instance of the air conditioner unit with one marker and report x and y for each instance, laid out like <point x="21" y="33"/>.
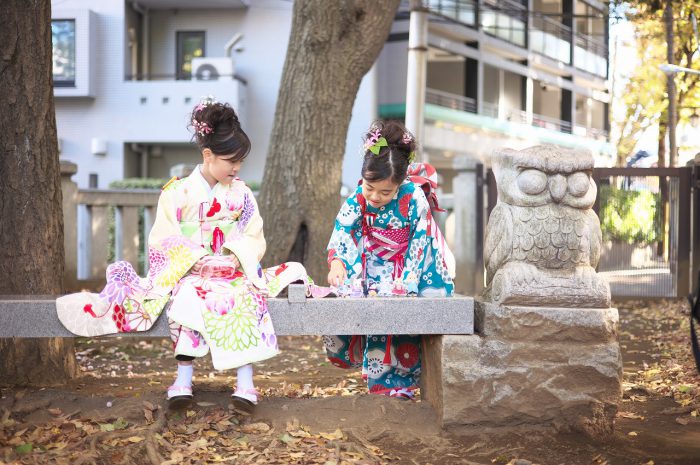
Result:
<point x="211" y="69"/>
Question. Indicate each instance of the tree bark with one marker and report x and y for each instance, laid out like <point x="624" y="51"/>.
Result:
<point x="671" y="84"/>
<point x="332" y="45"/>
<point x="31" y="230"/>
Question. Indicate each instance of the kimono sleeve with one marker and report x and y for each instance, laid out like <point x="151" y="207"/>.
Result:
<point x="347" y="235"/>
<point x="171" y="254"/>
<point x="165" y="224"/>
<point x="418" y="240"/>
<point x="249" y="244"/>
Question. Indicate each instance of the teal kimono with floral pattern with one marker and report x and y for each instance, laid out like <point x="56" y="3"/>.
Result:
<point x="390" y="364"/>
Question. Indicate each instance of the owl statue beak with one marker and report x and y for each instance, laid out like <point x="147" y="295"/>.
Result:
<point x="557" y="187"/>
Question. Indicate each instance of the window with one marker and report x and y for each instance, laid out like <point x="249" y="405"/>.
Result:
<point x="190" y="44"/>
<point x="63" y="39"/>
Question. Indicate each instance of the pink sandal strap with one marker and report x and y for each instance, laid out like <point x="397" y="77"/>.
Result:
<point x="177" y="391"/>
<point x="248" y="394"/>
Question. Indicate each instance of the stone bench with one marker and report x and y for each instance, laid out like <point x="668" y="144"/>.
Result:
<point x="484" y="365"/>
<point x="295" y="315"/>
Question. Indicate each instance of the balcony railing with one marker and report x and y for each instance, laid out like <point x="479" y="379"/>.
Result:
<point x="591" y="55"/>
<point x="551" y="38"/>
<point x="463" y="11"/>
<point x="587" y="42"/>
<point x="553" y="124"/>
<point x="592" y="133"/>
<point x="448" y="100"/>
<point x="505" y="19"/>
<point x="515" y="115"/>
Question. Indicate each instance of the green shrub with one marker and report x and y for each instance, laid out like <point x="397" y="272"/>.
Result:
<point x="632" y="216"/>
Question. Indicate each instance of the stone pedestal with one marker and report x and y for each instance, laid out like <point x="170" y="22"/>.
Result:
<point x="527" y="367"/>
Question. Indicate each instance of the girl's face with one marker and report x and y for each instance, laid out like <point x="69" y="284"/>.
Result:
<point x="379" y="193"/>
<point x="220" y="168"/>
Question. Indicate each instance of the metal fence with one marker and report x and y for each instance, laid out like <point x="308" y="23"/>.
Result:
<point x="645" y="219"/>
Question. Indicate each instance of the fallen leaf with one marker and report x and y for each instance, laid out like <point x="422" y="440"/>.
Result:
<point x="120" y="423"/>
<point x="24" y="448"/>
<point x="135" y="439"/>
<point x="337" y="434"/>
<point x="55" y="411"/>
<point x="630" y="415"/>
<point x="255" y="428"/>
<point x="632" y="433"/>
<point x="286" y="438"/>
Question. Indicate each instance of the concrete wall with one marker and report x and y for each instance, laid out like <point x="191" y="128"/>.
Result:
<point x="447" y="76"/>
<point x="547" y="100"/>
<point x="491" y="84"/>
<point x="512" y="91"/>
<point x="392" y="65"/>
<point x="597" y="114"/>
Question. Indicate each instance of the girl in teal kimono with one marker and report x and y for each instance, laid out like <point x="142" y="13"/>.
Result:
<point x="385" y="235"/>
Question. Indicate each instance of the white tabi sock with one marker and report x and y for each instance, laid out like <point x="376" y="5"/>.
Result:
<point x="184" y="375"/>
<point x="244" y="378"/>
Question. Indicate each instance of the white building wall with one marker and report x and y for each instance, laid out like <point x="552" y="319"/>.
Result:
<point x="219" y="26"/>
<point x="78" y="119"/>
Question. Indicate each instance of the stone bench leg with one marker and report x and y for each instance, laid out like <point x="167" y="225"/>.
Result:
<point x="527" y="366"/>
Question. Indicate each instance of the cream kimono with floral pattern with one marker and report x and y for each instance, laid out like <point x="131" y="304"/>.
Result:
<point x="220" y="308"/>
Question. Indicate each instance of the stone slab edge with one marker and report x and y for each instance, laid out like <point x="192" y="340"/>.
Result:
<point x="22" y="317"/>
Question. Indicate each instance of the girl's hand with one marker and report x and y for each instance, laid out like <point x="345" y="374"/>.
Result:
<point x="337" y="274"/>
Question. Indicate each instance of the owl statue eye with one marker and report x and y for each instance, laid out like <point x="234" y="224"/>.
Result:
<point x="532" y="181"/>
<point x="578" y="184"/>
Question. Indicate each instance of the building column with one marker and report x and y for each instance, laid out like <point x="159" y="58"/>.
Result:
<point x="529" y="99"/>
<point x="501" y="92"/>
<point x="567" y="108"/>
<point x="480" y="87"/>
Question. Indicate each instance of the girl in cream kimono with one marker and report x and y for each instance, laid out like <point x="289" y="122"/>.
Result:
<point x="204" y="257"/>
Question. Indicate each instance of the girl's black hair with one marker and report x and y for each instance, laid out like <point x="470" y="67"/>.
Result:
<point x="393" y="159"/>
<point x="216" y="127"/>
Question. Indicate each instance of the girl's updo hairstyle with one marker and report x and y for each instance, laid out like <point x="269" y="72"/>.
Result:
<point x="393" y="158"/>
<point x="216" y="127"/>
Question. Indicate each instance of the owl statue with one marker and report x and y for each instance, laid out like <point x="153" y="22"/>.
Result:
<point x="543" y="239"/>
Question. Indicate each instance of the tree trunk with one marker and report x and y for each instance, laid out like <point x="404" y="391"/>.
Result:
<point x="671" y="85"/>
<point x="332" y="45"/>
<point x="31" y="230"/>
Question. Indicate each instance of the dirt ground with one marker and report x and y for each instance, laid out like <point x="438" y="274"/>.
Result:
<point x="315" y="413"/>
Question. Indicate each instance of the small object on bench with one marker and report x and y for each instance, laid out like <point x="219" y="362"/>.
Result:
<point x="296" y="293"/>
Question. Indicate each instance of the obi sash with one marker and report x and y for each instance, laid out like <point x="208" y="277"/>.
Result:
<point x="388" y="244"/>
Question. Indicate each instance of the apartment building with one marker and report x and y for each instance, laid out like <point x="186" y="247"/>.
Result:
<point x="510" y="73"/>
<point x="500" y="73"/>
